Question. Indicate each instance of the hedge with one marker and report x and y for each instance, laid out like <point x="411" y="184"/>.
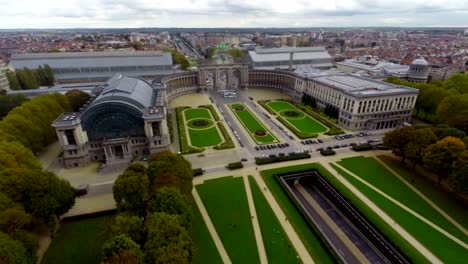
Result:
<point x="212" y="110"/>
<point x="296" y="132"/>
<point x="334" y="130"/>
<point x="327" y="152"/>
<point x="235" y="165"/>
<point x="170" y="127"/>
<point x="362" y="147"/>
<point x="183" y="141"/>
<point x="292" y="156"/>
<point x="228" y="143"/>
<point x="263" y="103"/>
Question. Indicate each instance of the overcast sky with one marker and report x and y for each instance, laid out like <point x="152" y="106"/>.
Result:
<point x="234" y="13"/>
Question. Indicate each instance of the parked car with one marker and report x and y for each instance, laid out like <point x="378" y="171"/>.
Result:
<point x="81" y="190"/>
<point x="319" y="140"/>
<point x="243" y="159"/>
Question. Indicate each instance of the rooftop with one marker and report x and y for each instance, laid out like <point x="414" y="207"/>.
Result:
<point x="91" y="59"/>
<point x="283" y="54"/>
<point x="351" y="84"/>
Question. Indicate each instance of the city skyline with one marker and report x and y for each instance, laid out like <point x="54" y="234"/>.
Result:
<point x="243" y="14"/>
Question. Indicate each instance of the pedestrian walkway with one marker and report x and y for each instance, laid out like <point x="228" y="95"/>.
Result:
<point x="433" y="205"/>
<point x="219" y="245"/>
<point x="383" y="215"/>
<point x="255" y="224"/>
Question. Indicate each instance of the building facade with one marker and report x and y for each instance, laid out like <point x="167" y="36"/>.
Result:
<point x="127" y="118"/>
<point x="4" y="84"/>
<point x="418" y="71"/>
<point x="288" y="58"/>
<point x="70" y="67"/>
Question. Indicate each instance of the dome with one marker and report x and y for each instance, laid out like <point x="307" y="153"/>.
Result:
<point x="420" y="61"/>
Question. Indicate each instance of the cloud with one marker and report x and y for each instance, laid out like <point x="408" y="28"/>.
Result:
<point x="224" y="13"/>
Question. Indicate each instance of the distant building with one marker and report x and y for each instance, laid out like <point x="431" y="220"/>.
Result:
<point x="98" y="66"/>
<point x="289" y="58"/>
<point x="373" y="68"/>
<point x="418" y="71"/>
<point x="363" y="103"/>
<point x="4" y="84"/>
<point x="439" y="72"/>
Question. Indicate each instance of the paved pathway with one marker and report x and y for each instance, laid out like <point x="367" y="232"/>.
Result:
<point x="433" y="205"/>
<point x="255" y="224"/>
<point x="404" y="207"/>
<point x="384" y="216"/>
<point x="219" y="245"/>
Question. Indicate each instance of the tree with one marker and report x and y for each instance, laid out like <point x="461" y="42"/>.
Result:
<point x="131" y="192"/>
<point x="8" y="102"/>
<point x="13" y="80"/>
<point x="430" y="98"/>
<point x="131" y="226"/>
<point x="12" y="251"/>
<point x="236" y="53"/>
<point x="422" y="138"/>
<point x="40" y="192"/>
<point x="397" y="140"/>
<point x="49" y="75"/>
<point x="13" y="219"/>
<point x="170" y="200"/>
<point x="458" y="180"/>
<point x="77" y="98"/>
<point x="452" y="106"/>
<point x="457" y="82"/>
<point x="169" y="169"/>
<point x="459" y="121"/>
<point x="168" y="241"/>
<point x="440" y="157"/>
<point x="121" y="249"/>
<point x="137" y="168"/>
<point x="442" y="132"/>
<point x="210" y="52"/>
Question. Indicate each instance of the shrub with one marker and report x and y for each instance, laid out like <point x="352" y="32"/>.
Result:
<point x="362" y="147"/>
<point x="327" y="152"/>
<point x="292" y="156"/>
<point x="263" y="103"/>
<point x="234" y="165"/>
<point x="184" y="147"/>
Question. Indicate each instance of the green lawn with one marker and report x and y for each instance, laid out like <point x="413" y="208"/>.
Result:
<point x="311" y="240"/>
<point x="204" y="248"/>
<point x="226" y="202"/>
<point x="373" y="172"/>
<point x="252" y="124"/>
<point x="202" y="137"/>
<point x="277" y="246"/>
<point x="192" y="113"/>
<point x="375" y="219"/>
<point x="444" y="248"/>
<point x="303" y="122"/>
<point x="79" y="241"/>
<point x="440" y="198"/>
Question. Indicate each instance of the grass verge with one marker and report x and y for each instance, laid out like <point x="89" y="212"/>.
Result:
<point x="79" y="241"/>
<point x="277" y="246"/>
<point x="225" y="200"/>
<point x="311" y="240"/>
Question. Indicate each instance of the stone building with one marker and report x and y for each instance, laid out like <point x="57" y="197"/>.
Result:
<point x="127" y="118"/>
<point x="418" y="71"/>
